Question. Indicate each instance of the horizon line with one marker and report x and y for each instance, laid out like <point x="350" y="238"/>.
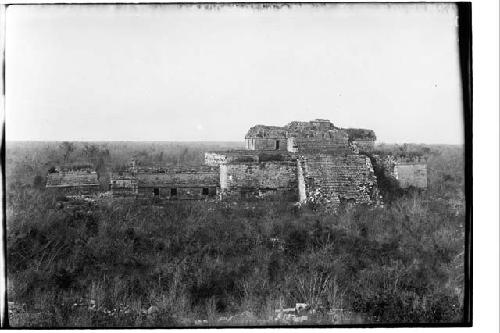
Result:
<point x="212" y="141"/>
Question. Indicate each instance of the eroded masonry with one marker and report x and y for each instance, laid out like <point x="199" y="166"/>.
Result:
<point x="302" y="161"/>
<point x="311" y="161"/>
<point x="73" y="180"/>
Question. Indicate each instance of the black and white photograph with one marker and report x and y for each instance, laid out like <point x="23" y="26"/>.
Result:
<point x="237" y="165"/>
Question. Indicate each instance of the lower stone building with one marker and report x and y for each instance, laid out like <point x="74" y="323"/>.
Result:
<point x="76" y="181"/>
<point x="410" y="171"/>
<point x="164" y="183"/>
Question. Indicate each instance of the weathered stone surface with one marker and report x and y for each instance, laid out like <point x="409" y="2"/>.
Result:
<point x="257" y="179"/>
<point x="246" y="156"/>
<point x="313" y="125"/>
<point x="215" y="158"/>
<point x="72" y="178"/>
<point x="331" y="180"/>
<point x="123" y="184"/>
<point x="335" y="143"/>
<point x="262" y="137"/>
<point x="180" y="179"/>
<point x="73" y="182"/>
<point x="263" y="131"/>
<point x="187" y="183"/>
<point x="267" y="144"/>
<point x="317" y="136"/>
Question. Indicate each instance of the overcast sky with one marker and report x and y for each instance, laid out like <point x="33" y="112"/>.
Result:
<point x="193" y="74"/>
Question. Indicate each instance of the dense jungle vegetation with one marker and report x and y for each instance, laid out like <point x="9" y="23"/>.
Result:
<point x="124" y="263"/>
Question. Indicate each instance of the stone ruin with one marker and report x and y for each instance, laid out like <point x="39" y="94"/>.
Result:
<point x="81" y="179"/>
<point x="189" y="183"/>
<point x="408" y="170"/>
<point x="306" y="162"/>
<point x="311" y="161"/>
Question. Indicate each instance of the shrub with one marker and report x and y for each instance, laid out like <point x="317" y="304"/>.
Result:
<point x="200" y="260"/>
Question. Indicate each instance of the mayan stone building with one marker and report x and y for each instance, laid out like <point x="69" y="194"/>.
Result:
<point x="306" y="162"/>
<point x="301" y="161"/>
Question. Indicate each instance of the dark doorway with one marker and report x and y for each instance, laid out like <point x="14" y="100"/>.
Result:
<point x="204" y="191"/>
<point x="277" y="144"/>
<point x="156" y="191"/>
<point x="173" y="192"/>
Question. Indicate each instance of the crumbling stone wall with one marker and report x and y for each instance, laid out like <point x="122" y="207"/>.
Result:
<point x="267" y="144"/>
<point x="123" y="185"/>
<point x="179" y="185"/>
<point x="175" y="192"/>
<point x="197" y="183"/>
<point x="363" y="139"/>
<point x="316" y="136"/>
<point x="361" y="134"/>
<point x="319" y="136"/>
<point x="245" y="156"/>
<point x="239" y="180"/>
<point x="75" y="190"/>
<point x="262" y="137"/>
<point x="334" y="143"/>
<point x="264" y="131"/>
<point x="73" y="182"/>
<point x="318" y="125"/>
<point x="215" y="159"/>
